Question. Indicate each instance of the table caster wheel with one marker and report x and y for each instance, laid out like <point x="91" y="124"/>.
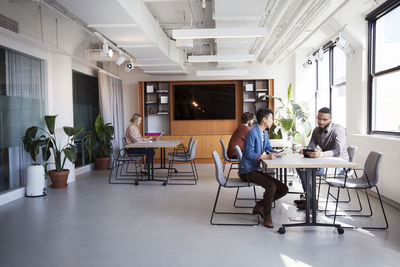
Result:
<point x="340" y="230"/>
<point x="282" y="230"/>
<point x="290" y="183"/>
<point x="136" y="183"/>
<point x="164" y="183"/>
<point x="175" y="171"/>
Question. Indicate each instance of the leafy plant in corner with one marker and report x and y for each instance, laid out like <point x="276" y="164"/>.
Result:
<point x="37" y="138"/>
<point x="290" y="117"/>
<point x="98" y="140"/>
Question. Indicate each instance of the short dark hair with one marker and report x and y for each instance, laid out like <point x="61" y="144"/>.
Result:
<point x="325" y="110"/>
<point x="246" y="117"/>
<point x="263" y="113"/>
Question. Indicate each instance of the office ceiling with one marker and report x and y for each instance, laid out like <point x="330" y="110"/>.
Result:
<point x="144" y="27"/>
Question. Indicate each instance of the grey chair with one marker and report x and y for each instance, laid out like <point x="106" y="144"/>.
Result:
<point x="183" y="176"/>
<point x="226" y="182"/>
<point x="181" y="150"/>
<point x="368" y="180"/>
<point x="227" y="159"/>
<point x="351" y="151"/>
<point x="124" y="159"/>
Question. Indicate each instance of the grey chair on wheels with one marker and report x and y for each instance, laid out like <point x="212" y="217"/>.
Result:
<point x="368" y="180"/>
<point x="228" y="159"/>
<point x="225" y="182"/>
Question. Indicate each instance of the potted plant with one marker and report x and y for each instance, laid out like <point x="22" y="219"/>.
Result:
<point x="98" y="143"/>
<point x="37" y="138"/>
<point x="290" y="117"/>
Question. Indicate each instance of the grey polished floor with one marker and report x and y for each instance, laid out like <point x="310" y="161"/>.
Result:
<point x="92" y="223"/>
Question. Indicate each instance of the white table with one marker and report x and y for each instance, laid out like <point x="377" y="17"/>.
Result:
<point x="294" y="160"/>
<point x="162" y="144"/>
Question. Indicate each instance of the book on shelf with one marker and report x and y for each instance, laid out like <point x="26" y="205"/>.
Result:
<point x="149" y="102"/>
<point x="261" y="90"/>
<point x="162" y="113"/>
<point x="162" y="91"/>
<point x="249" y="100"/>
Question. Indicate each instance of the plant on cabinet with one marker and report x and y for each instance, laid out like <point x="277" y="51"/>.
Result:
<point x="98" y="142"/>
<point x="37" y="138"/>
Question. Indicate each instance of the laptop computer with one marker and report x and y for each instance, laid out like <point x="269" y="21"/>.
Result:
<point x="159" y="137"/>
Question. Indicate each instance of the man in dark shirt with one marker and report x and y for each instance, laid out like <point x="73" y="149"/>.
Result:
<point x="238" y="137"/>
<point x="331" y="138"/>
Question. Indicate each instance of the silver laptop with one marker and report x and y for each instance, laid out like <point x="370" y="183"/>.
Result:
<point x="159" y="137"/>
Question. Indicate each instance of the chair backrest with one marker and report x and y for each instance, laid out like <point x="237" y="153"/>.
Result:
<point x="351" y="150"/>
<point x="371" y="166"/>
<point x="190" y="144"/>
<point x="239" y="153"/>
<point x="192" y="151"/>
<point x="219" y="173"/>
<point x="224" y="151"/>
<point x="124" y="140"/>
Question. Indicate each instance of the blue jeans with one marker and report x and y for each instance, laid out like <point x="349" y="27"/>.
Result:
<point x="303" y="176"/>
<point x="145" y="151"/>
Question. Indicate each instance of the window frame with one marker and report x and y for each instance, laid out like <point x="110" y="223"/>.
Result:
<point x="327" y="48"/>
<point x="372" y="17"/>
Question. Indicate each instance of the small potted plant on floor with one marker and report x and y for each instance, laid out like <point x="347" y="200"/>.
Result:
<point x="37" y="138"/>
<point x="98" y="143"/>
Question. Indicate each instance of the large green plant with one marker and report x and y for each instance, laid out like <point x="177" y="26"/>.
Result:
<point x="290" y="117"/>
<point x="37" y="138"/>
<point x="98" y="140"/>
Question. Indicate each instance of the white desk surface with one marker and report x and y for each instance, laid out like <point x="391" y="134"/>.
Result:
<point x="295" y="160"/>
<point x="155" y="144"/>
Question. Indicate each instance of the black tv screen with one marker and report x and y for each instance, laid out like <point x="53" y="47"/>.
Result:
<point x="204" y="102"/>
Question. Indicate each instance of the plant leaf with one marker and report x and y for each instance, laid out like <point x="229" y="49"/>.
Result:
<point x="289" y="91"/>
<point x="69" y="130"/>
<point x="70" y="153"/>
<point x="50" y="122"/>
<point x="99" y="124"/>
<point x="286" y="124"/>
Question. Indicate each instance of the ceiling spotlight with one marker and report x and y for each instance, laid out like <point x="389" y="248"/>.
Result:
<point x="129" y="66"/>
<point x="105" y="52"/>
<point x="340" y="42"/>
<point x="120" y="59"/>
<point x="308" y="63"/>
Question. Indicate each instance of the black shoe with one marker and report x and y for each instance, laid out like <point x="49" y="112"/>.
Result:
<point x="302" y="206"/>
<point x="299" y="201"/>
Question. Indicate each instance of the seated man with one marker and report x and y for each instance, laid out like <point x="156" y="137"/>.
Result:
<point x="132" y="135"/>
<point x="331" y="138"/>
<point x="257" y="147"/>
<point x="237" y="138"/>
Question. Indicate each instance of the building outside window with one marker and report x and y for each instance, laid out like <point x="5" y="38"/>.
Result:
<point x="384" y="69"/>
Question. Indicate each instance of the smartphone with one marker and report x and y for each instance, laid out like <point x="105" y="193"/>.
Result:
<point x="305" y="150"/>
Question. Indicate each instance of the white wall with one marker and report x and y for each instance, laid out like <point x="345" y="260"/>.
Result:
<point x="59" y="48"/>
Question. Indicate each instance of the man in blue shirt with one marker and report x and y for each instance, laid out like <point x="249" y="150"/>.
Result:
<point x="256" y="148"/>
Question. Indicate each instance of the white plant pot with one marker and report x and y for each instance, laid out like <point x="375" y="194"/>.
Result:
<point x="35" y="181"/>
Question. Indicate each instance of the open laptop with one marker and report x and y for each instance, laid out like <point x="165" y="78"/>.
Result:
<point x="159" y="137"/>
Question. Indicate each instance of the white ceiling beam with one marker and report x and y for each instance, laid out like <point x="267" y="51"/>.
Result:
<point x="219" y="33"/>
<point x="113" y="25"/>
<point x="221" y="72"/>
<point x="221" y="58"/>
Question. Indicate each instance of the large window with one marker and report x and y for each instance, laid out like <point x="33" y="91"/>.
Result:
<point x="86" y="109"/>
<point x="331" y="83"/>
<point x="384" y="69"/>
<point x="22" y="104"/>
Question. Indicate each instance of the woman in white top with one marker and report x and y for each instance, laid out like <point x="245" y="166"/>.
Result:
<point x="132" y="135"/>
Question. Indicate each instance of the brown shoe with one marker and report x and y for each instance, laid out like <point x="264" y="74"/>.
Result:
<point x="302" y="206"/>
<point x="299" y="201"/>
<point x="268" y="222"/>
<point x="258" y="210"/>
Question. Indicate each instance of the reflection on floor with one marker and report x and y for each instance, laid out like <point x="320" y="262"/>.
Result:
<point x="93" y="223"/>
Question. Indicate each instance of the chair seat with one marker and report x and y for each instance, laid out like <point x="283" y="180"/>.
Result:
<point x="179" y="154"/>
<point x="180" y="159"/>
<point x="237" y="182"/>
<point x="357" y="183"/>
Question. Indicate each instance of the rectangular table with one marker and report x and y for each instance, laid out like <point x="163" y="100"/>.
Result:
<point x="162" y="144"/>
<point x="295" y="160"/>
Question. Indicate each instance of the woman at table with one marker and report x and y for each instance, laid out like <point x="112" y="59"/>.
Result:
<point x="132" y="135"/>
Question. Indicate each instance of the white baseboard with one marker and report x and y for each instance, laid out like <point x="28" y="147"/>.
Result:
<point x="385" y="199"/>
<point x="12" y="195"/>
<point x="84" y="169"/>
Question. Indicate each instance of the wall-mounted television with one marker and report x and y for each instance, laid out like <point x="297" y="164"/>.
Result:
<point x="205" y="102"/>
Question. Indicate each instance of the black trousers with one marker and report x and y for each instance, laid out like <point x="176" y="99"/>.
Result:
<point x="274" y="189"/>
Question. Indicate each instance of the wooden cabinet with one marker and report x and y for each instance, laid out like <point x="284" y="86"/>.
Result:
<point x="253" y="89"/>
<point x="156" y="107"/>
